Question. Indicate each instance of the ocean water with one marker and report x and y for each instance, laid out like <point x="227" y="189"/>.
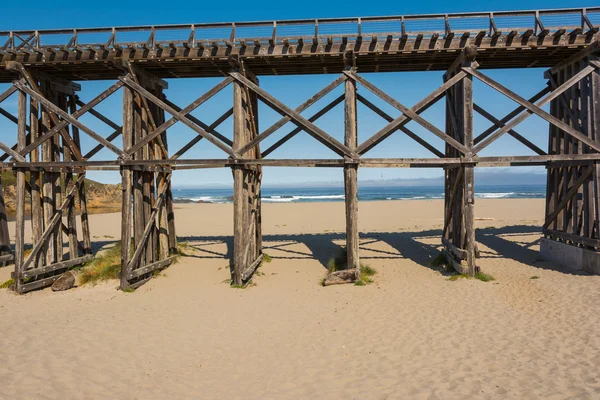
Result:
<point x="328" y="194"/>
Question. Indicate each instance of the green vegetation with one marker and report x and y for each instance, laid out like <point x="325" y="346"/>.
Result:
<point x="439" y="261"/>
<point x="7" y="284"/>
<point x="338" y="262"/>
<point x="128" y="290"/>
<point x="106" y="265"/>
<point x="267" y="258"/>
<point x="480" y="276"/>
<point x="366" y="272"/>
<point x="535" y="277"/>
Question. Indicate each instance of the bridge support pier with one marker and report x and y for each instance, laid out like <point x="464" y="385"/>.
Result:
<point x="572" y="224"/>
<point x="351" y="175"/>
<point x="247" y="218"/>
<point x="53" y="189"/>
<point x="147" y="201"/>
<point x="458" y="235"/>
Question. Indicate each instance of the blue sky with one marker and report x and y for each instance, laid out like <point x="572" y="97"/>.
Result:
<point x="408" y="88"/>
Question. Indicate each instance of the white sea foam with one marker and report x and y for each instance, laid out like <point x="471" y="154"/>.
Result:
<point x="494" y="195"/>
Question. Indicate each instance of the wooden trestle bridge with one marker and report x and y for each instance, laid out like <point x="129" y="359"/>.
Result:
<point x="44" y="65"/>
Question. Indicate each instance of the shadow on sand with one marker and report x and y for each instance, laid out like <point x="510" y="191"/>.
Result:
<point x="514" y="242"/>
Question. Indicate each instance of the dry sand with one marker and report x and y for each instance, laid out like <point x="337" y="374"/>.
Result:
<point x="411" y="335"/>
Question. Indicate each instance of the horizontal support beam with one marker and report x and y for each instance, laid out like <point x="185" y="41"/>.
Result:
<point x="493" y="161"/>
<point x="56" y="266"/>
<point x="151" y="267"/>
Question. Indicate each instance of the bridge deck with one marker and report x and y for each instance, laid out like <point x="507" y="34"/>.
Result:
<point x="515" y="39"/>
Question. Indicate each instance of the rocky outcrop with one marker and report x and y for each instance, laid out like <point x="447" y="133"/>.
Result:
<point x="99" y="195"/>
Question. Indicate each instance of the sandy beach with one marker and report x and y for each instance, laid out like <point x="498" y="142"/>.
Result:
<point x="412" y="334"/>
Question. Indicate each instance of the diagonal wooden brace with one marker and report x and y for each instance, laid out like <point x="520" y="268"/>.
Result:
<point x="299" y="120"/>
<point x="404" y="119"/>
<point x="534" y="108"/>
<point x="273" y="128"/>
<point x="176" y="116"/>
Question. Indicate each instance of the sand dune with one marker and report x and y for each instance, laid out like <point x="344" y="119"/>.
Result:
<point x="411" y="334"/>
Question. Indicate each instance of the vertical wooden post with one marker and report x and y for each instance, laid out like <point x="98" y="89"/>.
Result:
<point x="4" y="234"/>
<point x="351" y="172"/>
<point x="239" y="199"/>
<point x="459" y="201"/>
<point x="595" y="127"/>
<point x="47" y="181"/>
<point x="20" y="217"/>
<point x="469" y="185"/>
<point x="126" y="183"/>
<point x="85" y="224"/>
<point x="35" y="182"/>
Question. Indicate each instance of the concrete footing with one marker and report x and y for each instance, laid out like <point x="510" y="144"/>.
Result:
<point x="571" y="257"/>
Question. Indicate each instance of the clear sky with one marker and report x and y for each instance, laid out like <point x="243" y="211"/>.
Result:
<point x="408" y="88"/>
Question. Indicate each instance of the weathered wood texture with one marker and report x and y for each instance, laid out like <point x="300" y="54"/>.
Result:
<point x="148" y="239"/>
<point x="351" y="173"/>
<point x="309" y="46"/>
<point x="247" y="218"/>
<point x="52" y="193"/>
<point x="459" y="231"/>
<point x="573" y="191"/>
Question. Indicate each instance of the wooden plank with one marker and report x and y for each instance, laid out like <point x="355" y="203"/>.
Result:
<point x="401" y="128"/>
<point x="20" y="264"/>
<point x="36" y="93"/>
<point x="569" y="195"/>
<point x="297" y="130"/>
<point x="50" y="227"/>
<point x="409" y="113"/>
<point x="67" y="118"/>
<point x="239" y="220"/>
<point x="247" y="273"/>
<point x="577" y="239"/>
<point x="127" y="188"/>
<point x="177" y="115"/>
<point x="277" y="125"/>
<point x="210" y="129"/>
<point x="141" y="239"/>
<point x="351" y="179"/>
<point x="151" y="267"/>
<point x="533" y="108"/>
<point x="499" y="124"/>
<point x="299" y="120"/>
<point x="459" y="253"/>
<point x="30" y="273"/>
<point x="403" y="119"/>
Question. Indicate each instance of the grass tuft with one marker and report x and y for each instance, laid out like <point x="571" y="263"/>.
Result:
<point x="267" y="258"/>
<point x="128" y="290"/>
<point x="535" y="277"/>
<point x="7" y="284"/>
<point x="105" y="266"/>
<point x="338" y="262"/>
<point x="439" y="260"/>
<point x="484" y="277"/>
<point x="366" y="272"/>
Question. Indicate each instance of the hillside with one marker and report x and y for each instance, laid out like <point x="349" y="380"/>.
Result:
<point x="99" y="195"/>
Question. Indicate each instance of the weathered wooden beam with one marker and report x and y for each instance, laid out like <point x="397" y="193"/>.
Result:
<point x="351" y="177"/>
<point x="402" y="120"/>
<point x="310" y="128"/>
<point x="67" y="118"/>
<point x="534" y="109"/>
<point x="297" y="130"/>
<point x="273" y="128"/>
<point x="569" y="195"/>
<point x="176" y="116"/>
<point x="408" y="112"/>
<point x="499" y="124"/>
<point x="401" y="128"/>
